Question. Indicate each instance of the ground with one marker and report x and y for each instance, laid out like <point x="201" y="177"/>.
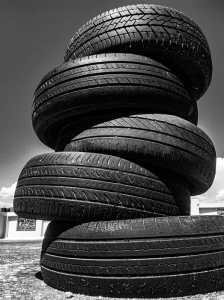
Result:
<point x="20" y="276"/>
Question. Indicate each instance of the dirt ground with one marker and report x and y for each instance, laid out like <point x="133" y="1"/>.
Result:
<point x="20" y="276"/>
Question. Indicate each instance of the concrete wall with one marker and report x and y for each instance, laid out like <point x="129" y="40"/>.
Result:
<point x="2" y="226"/>
<point x="44" y="227"/>
<point x="13" y="233"/>
<point x="212" y="208"/>
<point x="194" y="207"/>
<point x="9" y="223"/>
<point x="207" y="211"/>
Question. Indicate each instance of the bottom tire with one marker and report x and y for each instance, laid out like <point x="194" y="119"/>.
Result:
<point x="152" y="257"/>
<point x="150" y="286"/>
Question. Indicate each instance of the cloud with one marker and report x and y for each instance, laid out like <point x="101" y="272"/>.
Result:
<point x="7" y="195"/>
<point x="220" y="195"/>
<point x="216" y="191"/>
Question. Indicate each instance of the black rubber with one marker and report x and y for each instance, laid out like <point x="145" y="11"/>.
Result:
<point x="158" y="32"/>
<point x="107" y="84"/>
<point x="163" y="140"/>
<point x="151" y="257"/>
<point x="88" y="186"/>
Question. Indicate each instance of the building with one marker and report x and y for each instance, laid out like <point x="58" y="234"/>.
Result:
<point x="209" y="208"/>
<point x="13" y="227"/>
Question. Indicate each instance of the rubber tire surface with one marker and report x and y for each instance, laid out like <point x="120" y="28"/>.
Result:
<point x="150" y="257"/>
<point x="163" y="140"/>
<point x="158" y="32"/>
<point x="88" y="186"/>
<point x="107" y="84"/>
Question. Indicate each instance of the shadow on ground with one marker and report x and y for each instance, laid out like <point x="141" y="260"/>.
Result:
<point x="39" y="276"/>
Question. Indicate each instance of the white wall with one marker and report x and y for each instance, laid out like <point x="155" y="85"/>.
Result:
<point x="194" y="207"/>
<point x="8" y="227"/>
<point x="44" y="227"/>
<point x="207" y="211"/>
<point x="2" y="226"/>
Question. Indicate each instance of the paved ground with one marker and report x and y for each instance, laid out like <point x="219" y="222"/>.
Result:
<point x="20" y="276"/>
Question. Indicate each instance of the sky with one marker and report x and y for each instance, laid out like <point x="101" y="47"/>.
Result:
<point x="34" y="35"/>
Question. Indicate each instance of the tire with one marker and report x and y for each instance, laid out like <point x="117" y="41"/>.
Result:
<point x="166" y="141"/>
<point x="107" y="84"/>
<point x="86" y="186"/>
<point x="159" y="32"/>
<point x="159" y="257"/>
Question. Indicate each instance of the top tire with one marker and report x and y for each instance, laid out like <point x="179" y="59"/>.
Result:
<point x="159" y="32"/>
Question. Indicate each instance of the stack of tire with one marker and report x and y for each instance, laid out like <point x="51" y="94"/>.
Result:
<point x="121" y="114"/>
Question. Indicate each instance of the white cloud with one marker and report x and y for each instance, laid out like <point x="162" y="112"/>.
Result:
<point x="220" y="195"/>
<point x="7" y="195"/>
